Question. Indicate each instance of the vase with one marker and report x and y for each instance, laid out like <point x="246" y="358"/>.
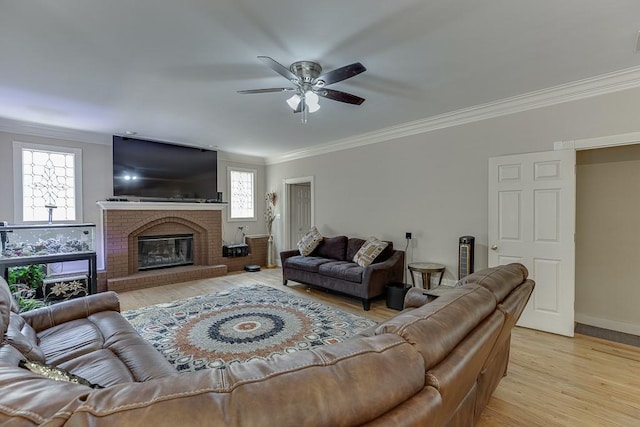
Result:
<point x="270" y="263"/>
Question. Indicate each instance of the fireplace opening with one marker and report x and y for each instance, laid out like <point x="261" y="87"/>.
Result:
<point x="164" y="251"/>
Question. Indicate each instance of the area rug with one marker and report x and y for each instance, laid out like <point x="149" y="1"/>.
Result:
<point x="256" y="321"/>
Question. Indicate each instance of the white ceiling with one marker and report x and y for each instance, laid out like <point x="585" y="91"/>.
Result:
<point x="170" y="70"/>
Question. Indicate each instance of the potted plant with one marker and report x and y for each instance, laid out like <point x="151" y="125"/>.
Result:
<point x="269" y="217"/>
<point x="26" y="285"/>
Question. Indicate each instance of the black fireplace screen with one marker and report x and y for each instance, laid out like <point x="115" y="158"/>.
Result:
<point x="165" y="251"/>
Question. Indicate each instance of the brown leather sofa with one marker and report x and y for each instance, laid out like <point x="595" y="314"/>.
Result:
<point x="330" y="266"/>
<point x="436" y="363"/>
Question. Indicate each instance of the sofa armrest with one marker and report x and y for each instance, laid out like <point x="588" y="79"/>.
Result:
<point x="392" y="261"/>
<point x="66" y="311"/>
<point x="288" y="254"/>
<point x="416" y="298"/>
<point x="377" y="275"/>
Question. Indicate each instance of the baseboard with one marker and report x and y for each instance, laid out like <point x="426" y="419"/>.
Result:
<point x="612" y="325"/>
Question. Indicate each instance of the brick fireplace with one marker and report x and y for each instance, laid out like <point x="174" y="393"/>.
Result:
<point x="125" y="223"/>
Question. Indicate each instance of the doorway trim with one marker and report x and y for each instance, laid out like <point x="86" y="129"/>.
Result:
<point x="589" y="144"/>
<point x="599" y="142"/>
<point x="286" y="214"/>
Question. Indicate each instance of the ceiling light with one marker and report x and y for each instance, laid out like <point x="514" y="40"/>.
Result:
<point x="294" y="101"/>
<point x="311" y="99"/>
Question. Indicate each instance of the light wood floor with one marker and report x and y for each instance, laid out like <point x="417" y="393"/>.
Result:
<point x="552" y="380"/>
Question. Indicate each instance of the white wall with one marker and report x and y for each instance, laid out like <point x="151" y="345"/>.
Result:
<point x="435" y="184"/>
<point x="97" y="181"/>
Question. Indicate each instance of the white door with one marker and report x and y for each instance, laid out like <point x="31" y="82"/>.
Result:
<point x="300" y="210"/>
<point x="532" y="221"/>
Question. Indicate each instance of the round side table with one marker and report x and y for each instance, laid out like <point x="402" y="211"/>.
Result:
<point x="426" y="269"/>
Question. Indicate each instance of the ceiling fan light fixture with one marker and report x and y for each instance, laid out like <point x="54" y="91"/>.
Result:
<point x="311" y="99"/>
<point x="309" y="83"/>
<point x="313" y="107"/>
<point x="294" y="101"/>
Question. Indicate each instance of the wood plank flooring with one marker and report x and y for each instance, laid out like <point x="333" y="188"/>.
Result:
<point x="552" y="380"/>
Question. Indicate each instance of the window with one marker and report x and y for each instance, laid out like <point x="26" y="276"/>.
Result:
<point x="242" y="184"/>
<point x="48" y="180"/>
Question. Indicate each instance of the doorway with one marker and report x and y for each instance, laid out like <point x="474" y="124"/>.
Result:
<point x="601" y="291"/>
<point x="607" y="227"/>
<point x="298" y="212"/>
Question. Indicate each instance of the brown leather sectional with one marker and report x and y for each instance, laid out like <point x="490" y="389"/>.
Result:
<point x="436" y="363"/>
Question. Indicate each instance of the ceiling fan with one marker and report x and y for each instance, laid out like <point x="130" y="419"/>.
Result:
<point x="309" y="84"/>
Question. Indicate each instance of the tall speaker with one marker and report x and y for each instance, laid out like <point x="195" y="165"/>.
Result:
<point x="466" y="246"/>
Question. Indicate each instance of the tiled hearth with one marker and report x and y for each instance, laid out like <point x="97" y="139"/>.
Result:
<point x="124" y="222"/>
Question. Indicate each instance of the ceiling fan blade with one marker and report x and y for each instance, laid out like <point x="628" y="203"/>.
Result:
<point x="280" y="69"/>
<point x="269" y="90"/>
<point x="339" y="74"/>
<point x="337" y="95"/>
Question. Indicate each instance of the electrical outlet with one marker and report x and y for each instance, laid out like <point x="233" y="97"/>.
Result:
<point x="408" y="235"/>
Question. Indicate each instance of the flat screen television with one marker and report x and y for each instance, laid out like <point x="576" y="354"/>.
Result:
<point x="157" y="170"/>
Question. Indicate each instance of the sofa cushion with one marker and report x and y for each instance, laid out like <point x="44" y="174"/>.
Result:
<point x="103" y="348"/>
<point x="354" y="245"/>
<point x="369" y="251"/>
<point x="342" y="270"/>
<point x="306" y="263"/>
<point x="309" y="241"/>
<point x="22" y="337"/>
<point x="102" y="367"/>
<point x="70" y="340"/>
<point x="332" y="247"/>
<point x="385" y="254"/>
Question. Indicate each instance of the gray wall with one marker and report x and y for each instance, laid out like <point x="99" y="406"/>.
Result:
<point x="435" y="184"/>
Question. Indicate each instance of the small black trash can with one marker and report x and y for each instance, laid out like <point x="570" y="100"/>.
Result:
<point x="395" y="295"/>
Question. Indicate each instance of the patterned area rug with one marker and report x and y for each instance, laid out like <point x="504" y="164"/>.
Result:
<point x="212" y="331"/>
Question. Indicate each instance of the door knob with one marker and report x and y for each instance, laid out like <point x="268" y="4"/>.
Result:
<point x="494" y="247"/>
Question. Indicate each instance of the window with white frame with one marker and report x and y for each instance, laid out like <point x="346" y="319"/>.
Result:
<point x="47" y="181"/>
<point x="242" y="195"/>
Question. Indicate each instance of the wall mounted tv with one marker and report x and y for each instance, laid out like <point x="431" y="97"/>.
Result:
<point x="150" y="170"/>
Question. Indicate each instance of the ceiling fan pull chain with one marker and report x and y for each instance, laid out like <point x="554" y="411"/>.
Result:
<point x="305" y="109"/>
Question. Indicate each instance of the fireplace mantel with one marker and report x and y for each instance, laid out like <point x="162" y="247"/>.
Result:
<point x="123" y="223"/>
<point x="164" y="206"/>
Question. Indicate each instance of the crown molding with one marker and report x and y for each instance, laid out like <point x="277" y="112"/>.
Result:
<point x="49" y="131"/>
<point x="241" y="158"/>
<point x="594" y="86"/>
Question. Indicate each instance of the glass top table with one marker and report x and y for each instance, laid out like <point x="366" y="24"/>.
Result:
<point x="426" y="269"/>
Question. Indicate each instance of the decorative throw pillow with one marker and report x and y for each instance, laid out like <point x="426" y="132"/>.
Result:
<point x="309" y="241"/>
<point x="369" y="251"/>
<point x="55" y="373"/>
